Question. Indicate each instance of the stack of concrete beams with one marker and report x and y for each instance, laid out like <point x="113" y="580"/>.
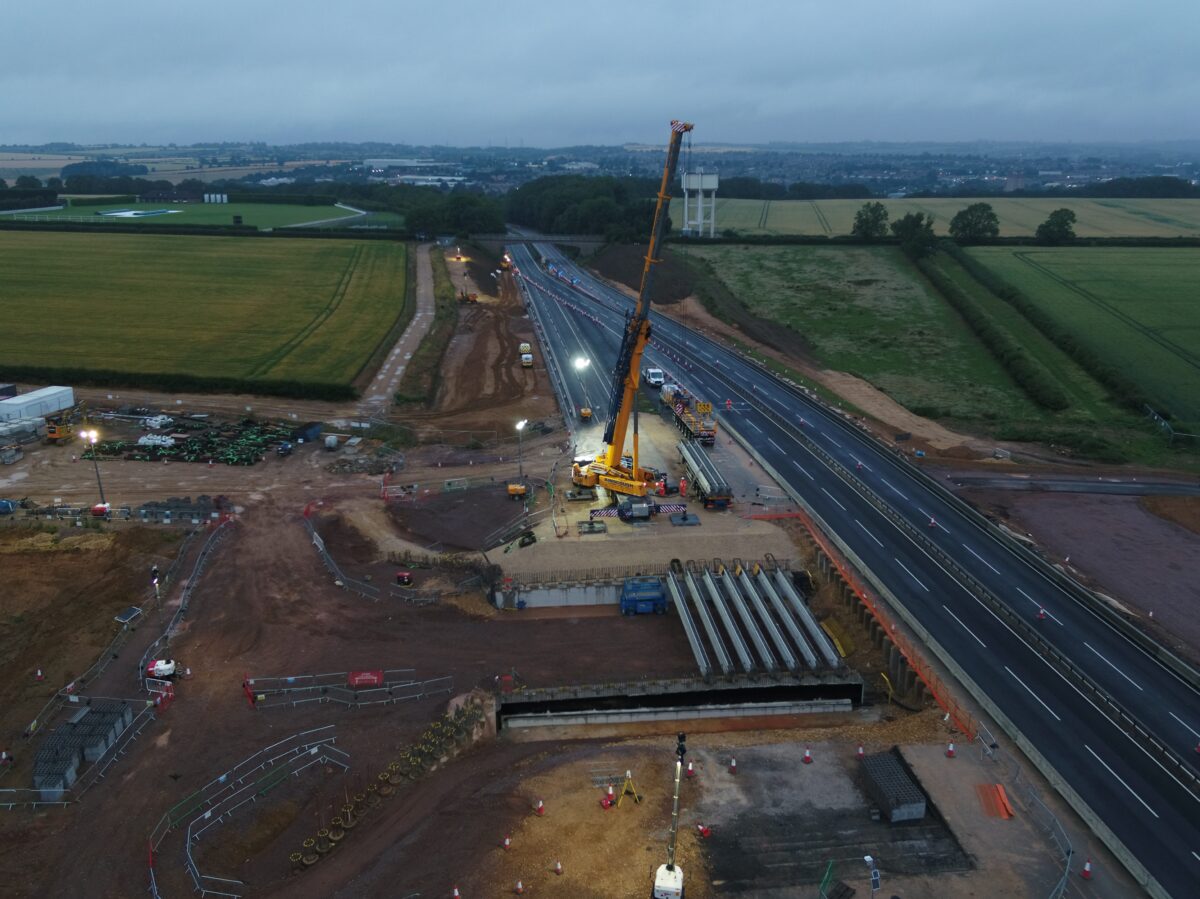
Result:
<point x="892" y="789"/>
<point x="758" y="622"/>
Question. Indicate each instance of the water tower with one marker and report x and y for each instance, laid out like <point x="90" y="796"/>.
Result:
<point x="699" y="203"/>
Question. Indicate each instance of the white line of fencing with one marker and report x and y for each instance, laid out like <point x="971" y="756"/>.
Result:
<point x="318" y="754"/>
<point x="164" y="641"/>
<point x="339" y="578"/>
<point x="247" y="781"/>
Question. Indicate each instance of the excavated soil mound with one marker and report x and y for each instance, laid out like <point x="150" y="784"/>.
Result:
<point x="623" y="263"/>
<point x="460" y="519"/>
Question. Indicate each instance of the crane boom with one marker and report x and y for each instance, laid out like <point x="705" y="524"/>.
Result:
<point x="607" y="471"/>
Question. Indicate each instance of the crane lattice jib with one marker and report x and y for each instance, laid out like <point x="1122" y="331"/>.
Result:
<point x="637" y="328"/>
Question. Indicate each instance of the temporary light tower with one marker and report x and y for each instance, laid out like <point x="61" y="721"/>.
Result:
<point x="668" y="879"/>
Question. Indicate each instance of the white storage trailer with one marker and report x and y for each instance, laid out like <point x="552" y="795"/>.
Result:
<point x="37" y="403"/>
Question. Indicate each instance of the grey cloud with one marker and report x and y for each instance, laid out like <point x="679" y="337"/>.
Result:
<point x="554" y="73"/>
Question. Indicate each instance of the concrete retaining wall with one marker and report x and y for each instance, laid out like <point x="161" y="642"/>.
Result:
<point x="680" y="713"/>
<point x="571" y="595"/>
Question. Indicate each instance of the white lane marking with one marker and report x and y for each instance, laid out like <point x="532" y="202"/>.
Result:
<point x="831" y="440"/>
<point x="858" y="461"/>
<point x="753" y="425"/>
<point x="1031" y="693"/>
<point x="869" y="534"/>
<point x="805" y="470"/>
<point x="774" y="444"/>
<point x="1049" y="614"/>
<point x="1196" y="856"/>
<point x="1004" y="624"/>
<point x="893" y="489"/>
<point x="911" y="575"/>
<point x="964" y="627"/>
<point x="1119" y="780"/>
<point x="1111" y="665"/>
<point x="831" y="496"/>
<point x="980" y="558"/>
<point x="934" y="520"/>
<point x="1184" y="723"/>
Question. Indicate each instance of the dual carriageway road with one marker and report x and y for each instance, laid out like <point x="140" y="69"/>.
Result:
<point x="928" y="554"/>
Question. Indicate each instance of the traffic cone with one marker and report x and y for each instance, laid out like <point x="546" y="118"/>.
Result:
<point x="860" y="755"/>
<point x="932" y="522"/>
<point x="520" y="888"/>
<point x="691" y="772"/>
<point x="704" y="830"/>
<point x="808" y="759"/>
<point x="1086" y="873"/>
<point x="1198" y="748"/>
<point x="1041" y="615"/>
<point x="40" y="677"/>
<point x="507" y="841"/>
<point x="858" y="466"/>
<point x="733" y="766"/>
<point x="950" y="751"/>
<point x="456" y="894"/>
<point x="558" y="867"/>
<point x="541" y="809"/>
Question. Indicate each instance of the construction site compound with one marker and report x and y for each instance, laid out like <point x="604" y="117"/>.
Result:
<point x="396" y="675"/>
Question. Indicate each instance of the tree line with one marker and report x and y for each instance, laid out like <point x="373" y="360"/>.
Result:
<point x="620" y="209"/>
<point x="974" y="224"/>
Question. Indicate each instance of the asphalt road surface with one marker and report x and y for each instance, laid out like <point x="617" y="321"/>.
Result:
<point x="1146" y="805"/>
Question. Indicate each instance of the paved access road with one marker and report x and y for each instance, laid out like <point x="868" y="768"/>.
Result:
<point x="1150" y="810"/>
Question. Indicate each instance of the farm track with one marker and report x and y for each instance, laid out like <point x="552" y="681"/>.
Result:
<point x="821" y="217"/>
<point x="1170" y="346"/>
<point x="762" y="216"/>
<point x="322" y="316"/>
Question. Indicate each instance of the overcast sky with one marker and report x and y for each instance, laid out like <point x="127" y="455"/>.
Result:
<point x="598" y="71"/>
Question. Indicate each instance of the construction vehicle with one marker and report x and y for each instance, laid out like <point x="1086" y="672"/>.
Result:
<point x="585" y="413"/>
<point x="606" y="470"/>
<point x="506" y="263"/>
<point x="527" y="360"/>
<point x="525" y="347"/>
<point x="693" y="417"/>
<point x="60" y="427"/>
<point x="643" y="596"/>
<point x="161" y="668"/>
<point x="668" y="879"/>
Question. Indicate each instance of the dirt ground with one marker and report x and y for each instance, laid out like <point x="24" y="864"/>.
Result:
<point x="1116" y="545"/>
<point x="267" y="607"/>
<point x="483" y="387"/>
<point x="61" y="590"/>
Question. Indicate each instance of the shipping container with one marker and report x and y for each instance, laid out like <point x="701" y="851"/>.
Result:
<point x="307" y="433"/>
<point x="37" y="403"/>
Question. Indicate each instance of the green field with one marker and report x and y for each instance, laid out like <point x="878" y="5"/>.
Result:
<point x="1019" y="217"/>
<point x="251" y="309"/>
<point x="1139" y="307"/>
<point x="258" y="215"/>
<point x="865" y="310"/>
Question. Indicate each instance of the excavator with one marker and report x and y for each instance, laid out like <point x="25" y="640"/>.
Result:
<point x="608" y="470"/>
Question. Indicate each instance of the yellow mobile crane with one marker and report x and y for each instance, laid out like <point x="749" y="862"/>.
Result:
<point x="607" y="470"/>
